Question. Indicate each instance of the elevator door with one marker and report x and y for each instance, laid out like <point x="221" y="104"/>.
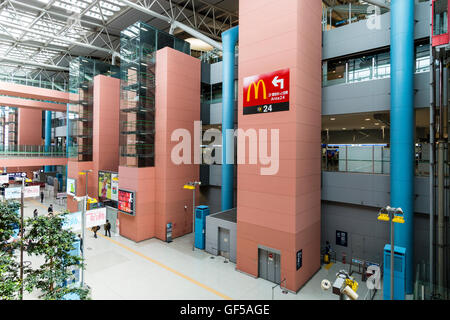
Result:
<point x="224" y="242"/>
<point x="269" y="266"/>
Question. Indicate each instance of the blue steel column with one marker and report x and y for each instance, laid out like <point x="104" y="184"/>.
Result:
<point x="68" y="142"/>
<point x="48" y="135"/>
<point x="229" y="39"/>
<point x="67" y="132"/>
<point x="403" y="126"/>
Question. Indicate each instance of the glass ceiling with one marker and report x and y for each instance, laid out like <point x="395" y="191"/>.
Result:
<point x="42" y="31"/>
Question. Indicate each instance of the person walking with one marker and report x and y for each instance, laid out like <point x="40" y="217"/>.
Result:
<point x="95" y="229"/>
<point x="42" y="196"/>
<point x="81" y="243"/>
<point x="35" y="213"/>
<point x="107" y="229"/>
<point x="50" y="209"/>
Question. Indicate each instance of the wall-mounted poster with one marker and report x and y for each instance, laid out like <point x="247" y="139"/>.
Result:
<point x="114" y="186"/>
<point x="104" y="185"/>
<point x="71" y="187"/>
<point x="127" y="201"/>
<point x="108" y="186"/>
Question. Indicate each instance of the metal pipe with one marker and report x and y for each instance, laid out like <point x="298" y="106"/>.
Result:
<point x="440" y="229"/>
<point x="392" y="253"/>
<point x="53" y="36"/>
<point x="32" y="63"/>
<point x="432" y="165"/>
<point x="195" y="33"/>
<point x="440" y="174"/>
<point x="21" y="237"/>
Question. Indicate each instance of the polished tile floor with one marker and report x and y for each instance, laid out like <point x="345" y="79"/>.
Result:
<point x="119" y="269"/>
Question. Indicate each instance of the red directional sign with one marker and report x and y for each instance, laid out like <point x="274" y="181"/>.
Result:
<point x="267" y="93"/>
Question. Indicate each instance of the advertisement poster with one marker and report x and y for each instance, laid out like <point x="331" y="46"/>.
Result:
<point x="4" y="178"/>
<point x="71" y="187"/>
<point x="114" y="187"/>
<point x="15" y="193"/>
<point x="96" y="217"/>
<point x="108" y="186"/>
<point x="104" y="185"/>
<point x="267" y="93"/>
<point x="126" y="201"/>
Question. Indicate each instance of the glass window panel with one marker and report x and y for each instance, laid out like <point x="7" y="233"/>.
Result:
<point x="336" y="72"/>
<point x="360" y="69"/>
<point x="216" y="92"/>
<point x="423" y="58"/>
<point x="382" y="65"/>
<point x="440" y="17"/>
<point x="205" y="92"/>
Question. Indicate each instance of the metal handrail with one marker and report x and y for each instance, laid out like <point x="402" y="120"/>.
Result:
<point x="279" y="285"/>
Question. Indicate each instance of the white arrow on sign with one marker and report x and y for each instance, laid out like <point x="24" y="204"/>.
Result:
<point x="276" y="81"/>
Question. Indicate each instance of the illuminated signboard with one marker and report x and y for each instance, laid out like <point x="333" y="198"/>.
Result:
<point x="267" y="93"/>
<point x="127" y="201"/>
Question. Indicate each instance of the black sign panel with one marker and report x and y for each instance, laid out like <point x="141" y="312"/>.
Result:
<point x="299" y="259"/>
<point x="341" y="238"/>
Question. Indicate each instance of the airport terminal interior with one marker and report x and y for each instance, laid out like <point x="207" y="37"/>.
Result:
<point x="224" y="149"/>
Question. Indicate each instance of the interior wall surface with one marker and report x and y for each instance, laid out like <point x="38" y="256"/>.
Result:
<point x="29" y="127"/>
<point x="105" y="139"/>
<point x="178" y="78"/>
<point x="366" y="236"/>
<point x="282" y="211"/>
<point x="160" y="197"/>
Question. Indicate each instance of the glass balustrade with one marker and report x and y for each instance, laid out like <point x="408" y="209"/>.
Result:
<point x="32" y="151"/>
<point x="372" y="159"/>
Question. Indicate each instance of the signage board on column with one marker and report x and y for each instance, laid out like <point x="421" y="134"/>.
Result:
<point x="267" y="93"/>
<point x="71" y="186"/>
<point x="299" y="259"/>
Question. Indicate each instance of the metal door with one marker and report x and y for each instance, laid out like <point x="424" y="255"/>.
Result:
<point x="269" y="266"/>
<point x="111" y="215"/>
<point x="224" y="242"/>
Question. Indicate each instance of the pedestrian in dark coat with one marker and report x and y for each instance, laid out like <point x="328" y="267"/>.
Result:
<point x="108" y="228"/>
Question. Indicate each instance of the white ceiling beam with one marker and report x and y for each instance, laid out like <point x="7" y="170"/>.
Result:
<point x="193" y="32"/>
<point x="380" y="3"/>
<point x="36" y="64"/>
<point x="59" y="38"/>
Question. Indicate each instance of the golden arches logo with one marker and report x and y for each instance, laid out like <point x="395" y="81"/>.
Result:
<point x="256" y="87"/>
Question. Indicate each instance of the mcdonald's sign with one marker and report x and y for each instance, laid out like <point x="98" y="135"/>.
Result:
<point x="267" y="93"/>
